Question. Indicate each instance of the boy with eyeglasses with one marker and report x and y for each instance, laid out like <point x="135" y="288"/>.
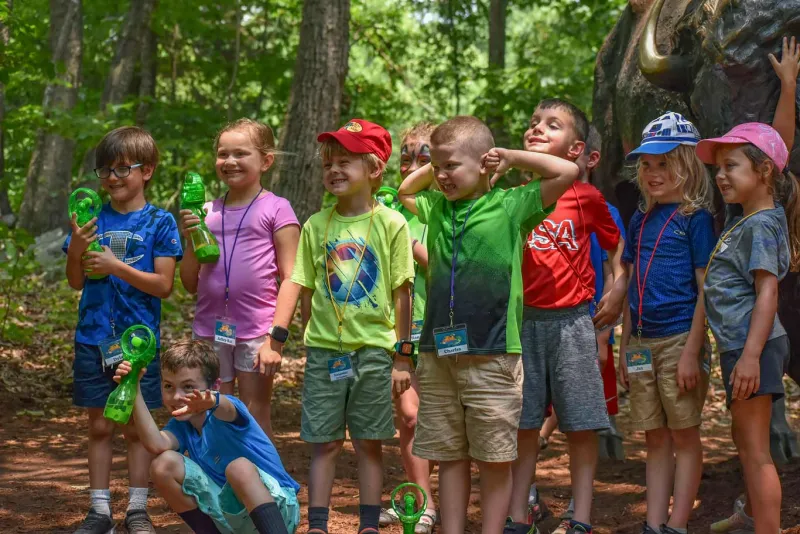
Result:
<point x="141" y="246"/>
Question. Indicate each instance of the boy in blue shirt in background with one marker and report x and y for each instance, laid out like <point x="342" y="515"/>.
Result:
<point x="233" y="479"/>
<point x="141" y="246"/>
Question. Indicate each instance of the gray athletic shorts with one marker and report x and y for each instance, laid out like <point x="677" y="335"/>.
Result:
<point x="559" y="363"/>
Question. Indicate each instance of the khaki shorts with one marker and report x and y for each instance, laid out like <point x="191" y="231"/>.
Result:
<point x="654" y="396"/>
<point x="469" y="407"/>
<point x="240" y="357"/>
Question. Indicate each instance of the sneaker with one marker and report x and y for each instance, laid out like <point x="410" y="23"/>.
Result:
<point x="519" y="528"/>
<point x="577" y="529"/>
<point x="647" y="529"/>
<point x="668" y="530"/>
<point x="738" y="523"/>
<point x="537" y="509"/>
<point x="95" y="523"/>
<point x="388" y="517"/>
<point x="543" y="443"/>
<point x="138" y="522"/>
<point x="562" y="528"/>
<point x="426" y="522"/>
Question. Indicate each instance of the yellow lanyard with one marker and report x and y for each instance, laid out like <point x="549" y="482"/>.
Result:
<point x="340" y="315"/>
<point x="722" y="240"/>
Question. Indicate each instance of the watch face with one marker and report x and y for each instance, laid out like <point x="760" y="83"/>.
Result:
<point x="406" y="348"/>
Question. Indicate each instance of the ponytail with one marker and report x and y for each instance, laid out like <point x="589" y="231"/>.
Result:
<point x="787" y="192"/>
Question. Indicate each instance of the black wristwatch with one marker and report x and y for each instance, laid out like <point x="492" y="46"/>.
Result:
<point x="405" y="347"/>
<point x="278" y="333"/>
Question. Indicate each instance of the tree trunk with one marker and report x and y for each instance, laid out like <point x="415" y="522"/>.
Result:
<point x="5" y="206"/>
<point x="315" y="101"/>
<point x="48" y="181"/>
<point x="123" y="67"/>
<point x="147" y="86"/>
<point x="497" y="64"/>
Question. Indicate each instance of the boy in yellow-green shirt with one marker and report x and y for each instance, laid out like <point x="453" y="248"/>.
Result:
<point x="354" y="266"/>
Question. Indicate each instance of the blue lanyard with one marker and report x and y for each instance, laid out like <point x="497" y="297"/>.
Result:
<point x="226" y="262"/>
<point x="456" y="247"/>
<point x="112" y="285"/>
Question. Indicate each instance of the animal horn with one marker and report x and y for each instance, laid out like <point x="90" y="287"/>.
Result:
<point x="672" y="72"/>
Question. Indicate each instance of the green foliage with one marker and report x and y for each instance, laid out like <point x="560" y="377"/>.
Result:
<point x="16" y="264"/>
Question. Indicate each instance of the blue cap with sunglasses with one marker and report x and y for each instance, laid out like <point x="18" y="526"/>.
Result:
<point x="665" y="134"/>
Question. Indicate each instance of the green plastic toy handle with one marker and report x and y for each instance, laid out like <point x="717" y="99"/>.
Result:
<point x="409" y="517"/>
<point x="86" y="204"/>
<point x="388" y="196"/>
<point x="193" y="196"/>
<point x="138" y="344"/>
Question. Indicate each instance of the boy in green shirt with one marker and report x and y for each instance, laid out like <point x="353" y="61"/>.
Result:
<point x="354" y="268"/>
<point x="469" y="367"/>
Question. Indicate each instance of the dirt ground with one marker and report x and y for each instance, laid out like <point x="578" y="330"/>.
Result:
<point x="44" y="476"/>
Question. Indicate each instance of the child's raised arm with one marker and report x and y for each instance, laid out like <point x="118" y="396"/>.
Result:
<point x="787" y="70"/>
<point x="417" y="181"/>
<point x="557" y="174"/>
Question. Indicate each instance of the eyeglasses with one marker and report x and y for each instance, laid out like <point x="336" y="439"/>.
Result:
<point x="123" y="171"/>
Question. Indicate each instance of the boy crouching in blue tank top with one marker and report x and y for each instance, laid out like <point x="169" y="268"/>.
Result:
<point x="233" y="479"/>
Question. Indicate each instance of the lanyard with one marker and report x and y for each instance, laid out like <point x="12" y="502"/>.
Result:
<point x="227" y="263"/>
<point x="113" y="286"/>
<point x="456" y="247"/>
<point x="340" y="315"/>
<point x="722" y="240"/>
<point x="640" y="282"/>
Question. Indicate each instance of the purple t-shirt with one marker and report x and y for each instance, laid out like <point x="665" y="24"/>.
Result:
<point x="253" y="267"/>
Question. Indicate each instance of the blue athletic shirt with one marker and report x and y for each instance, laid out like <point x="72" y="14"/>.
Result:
<point x="598" y="256"/>
<point x="222" y="442"/>
<point x="670" y="292"/>
<point x="137" y="238"/>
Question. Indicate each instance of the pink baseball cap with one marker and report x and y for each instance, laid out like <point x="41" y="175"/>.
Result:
<point x="763" y="136"/>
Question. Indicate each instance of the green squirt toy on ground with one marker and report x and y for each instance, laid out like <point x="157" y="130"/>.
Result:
<point x="139" y="347"/>
<point x="85" y="204"/>
<point x="193" y="196"/>
<point x="408" y="514"/>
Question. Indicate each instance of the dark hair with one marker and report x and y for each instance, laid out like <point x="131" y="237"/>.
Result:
<point x="593" y="141"/>
<point x="578" y="116"/>
<point x="465" y="130"/>
<point x="192" y="354"/>
<point x="128" y="143"/>
<point x="784" y="188"/>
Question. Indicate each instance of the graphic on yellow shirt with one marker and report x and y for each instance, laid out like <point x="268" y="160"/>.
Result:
<point x="344" y="269"/>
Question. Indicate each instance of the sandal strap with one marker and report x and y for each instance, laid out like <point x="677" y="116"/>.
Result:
<point x="428" y="518"/>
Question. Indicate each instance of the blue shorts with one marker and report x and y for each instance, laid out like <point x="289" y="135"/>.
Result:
<point x="91" y="384"/>
<point x="227" y="511"/>
<point x="773" y="362"/>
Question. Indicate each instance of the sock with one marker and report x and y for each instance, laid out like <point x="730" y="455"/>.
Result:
<point x="199" y="522"/>
<point x="268" y="519"/>
<point x="101" y="501"/>
<point x="532" y="494"/>
<point x="137" y="498"/>
<point x="571" y="506"/>
<point x="573" y="524"/>
<point x="368" y="515"/>
<point x="318" y="518"/>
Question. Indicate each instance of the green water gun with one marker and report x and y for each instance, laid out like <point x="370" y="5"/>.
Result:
<point x="193" y="196"/>
<point x="389" y="197"/>
<point x="408" y="516"/>
<point x="139" y="347"/>
<point x="86" y="204"/>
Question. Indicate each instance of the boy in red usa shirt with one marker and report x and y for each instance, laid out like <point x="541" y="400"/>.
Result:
<point x="559" y="347"/>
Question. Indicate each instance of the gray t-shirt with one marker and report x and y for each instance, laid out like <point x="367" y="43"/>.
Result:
<point x="759" y="243"/>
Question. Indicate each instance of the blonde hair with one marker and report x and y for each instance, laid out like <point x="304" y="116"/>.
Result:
<point x="331" y="148"/>
<point x="421" y="130"/>
<point x="260" y="134"/>
<point x="690" y="175"/>
<point x="784" y="188"/>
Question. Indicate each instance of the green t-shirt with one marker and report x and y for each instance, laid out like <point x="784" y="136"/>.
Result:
<point x="387" y="264"/>
<point x="488" y="274"/>
<point x="419" y="231"/>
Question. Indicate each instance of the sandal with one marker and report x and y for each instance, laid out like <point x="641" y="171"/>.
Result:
<point x="426" y="522"/>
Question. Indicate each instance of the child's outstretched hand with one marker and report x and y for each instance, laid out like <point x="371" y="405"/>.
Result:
<point x="496" y="161"/>
<point x="82" y="236"/>
<point x="123" y="369"/>
<point x="188" y="222"/>
<point x="788" y="67"/>
<point x="197" y="402"/>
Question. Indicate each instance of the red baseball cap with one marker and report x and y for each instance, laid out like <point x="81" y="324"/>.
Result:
<point x="362" y="137"/>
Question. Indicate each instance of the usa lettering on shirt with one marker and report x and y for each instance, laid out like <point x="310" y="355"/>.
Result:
<point x="546" y="234"/>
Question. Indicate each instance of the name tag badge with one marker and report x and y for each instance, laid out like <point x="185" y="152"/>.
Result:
<point x="225" y="331"/>
<point x="639" y="360"/>
<point x="416" y="330"/>
<point x="341" y="367"/>
<point x="111" y="352"/>
<point x="451" y="340"/>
